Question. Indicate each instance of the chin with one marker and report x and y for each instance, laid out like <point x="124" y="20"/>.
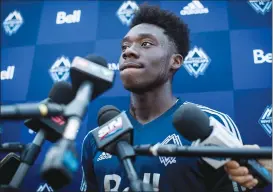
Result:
<point x="132" y="88"/>
<point x="137" y="87"/>
<point x="130" y="81"/>
<point x="136" y="83"/>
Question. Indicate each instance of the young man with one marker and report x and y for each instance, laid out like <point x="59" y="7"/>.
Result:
<point x="152" y="51"/>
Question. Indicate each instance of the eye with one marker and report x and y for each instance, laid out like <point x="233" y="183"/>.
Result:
<point x="146" y="43"/>
<point x="124" y="47"/>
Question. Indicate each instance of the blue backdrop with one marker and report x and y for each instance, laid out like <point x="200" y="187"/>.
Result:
<point x="228" y="68"/>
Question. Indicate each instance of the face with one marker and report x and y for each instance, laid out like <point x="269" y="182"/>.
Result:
<point x="144" y="61"/>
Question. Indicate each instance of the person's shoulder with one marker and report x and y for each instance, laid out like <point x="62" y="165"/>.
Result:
<point x="223" y="118"/>
<point x="89" y="144"/>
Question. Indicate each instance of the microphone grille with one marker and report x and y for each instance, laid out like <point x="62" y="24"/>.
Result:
<point x="106" y="113"/>
<point x="61" y="92"/>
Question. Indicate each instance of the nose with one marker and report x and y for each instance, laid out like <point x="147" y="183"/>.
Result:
<point x="130" y="52"/>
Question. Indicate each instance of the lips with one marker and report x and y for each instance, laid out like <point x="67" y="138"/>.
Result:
<point x="128" y="65"/>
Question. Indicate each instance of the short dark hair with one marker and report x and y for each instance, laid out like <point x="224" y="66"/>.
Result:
<point x="174" y="27"/>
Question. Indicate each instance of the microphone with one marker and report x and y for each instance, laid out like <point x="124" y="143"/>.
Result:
<point x="29" y="110"/>
<point x="194" y="124"/>
<point x="90" y="78"/>
<point x="114" y="135"/>
<point x="12" y="147"/>
<point x="170" y="150"/>
<point x="42" y="109"/>
<point x="114" y="127"/>
<point x="61" y="93"/>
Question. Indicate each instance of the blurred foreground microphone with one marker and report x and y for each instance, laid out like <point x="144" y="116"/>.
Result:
<point x="90" y="78"/>
<point x="46" y="108"/>
<point x="114" y="135"/>
<point x="12" y="147"/>
<point x="61" y="93"/>
<point x="195" y="125"/>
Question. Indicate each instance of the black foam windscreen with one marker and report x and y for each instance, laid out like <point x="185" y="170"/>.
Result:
<point x="192" y="122"/>
<point x="106" y="113"/>
<point x="61" y="92"/>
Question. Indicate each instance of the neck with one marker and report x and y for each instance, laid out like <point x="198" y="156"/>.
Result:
<point x="147" y="106"/>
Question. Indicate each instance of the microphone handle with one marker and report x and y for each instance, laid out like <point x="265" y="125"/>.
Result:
<point x="126" y="152"/>
<point x="136" y="185"/>
<point x="27" y="159"/>
<point x="30" y="110"/>
<point x="131" y="172"/>
<point x="76" y="110"/>
<point x="12" y="147"/>
<point x="6" y="188"/>
<point x="203" y="151"/>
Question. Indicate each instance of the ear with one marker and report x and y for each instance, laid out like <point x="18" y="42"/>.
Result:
<point x="176" y="62"/>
